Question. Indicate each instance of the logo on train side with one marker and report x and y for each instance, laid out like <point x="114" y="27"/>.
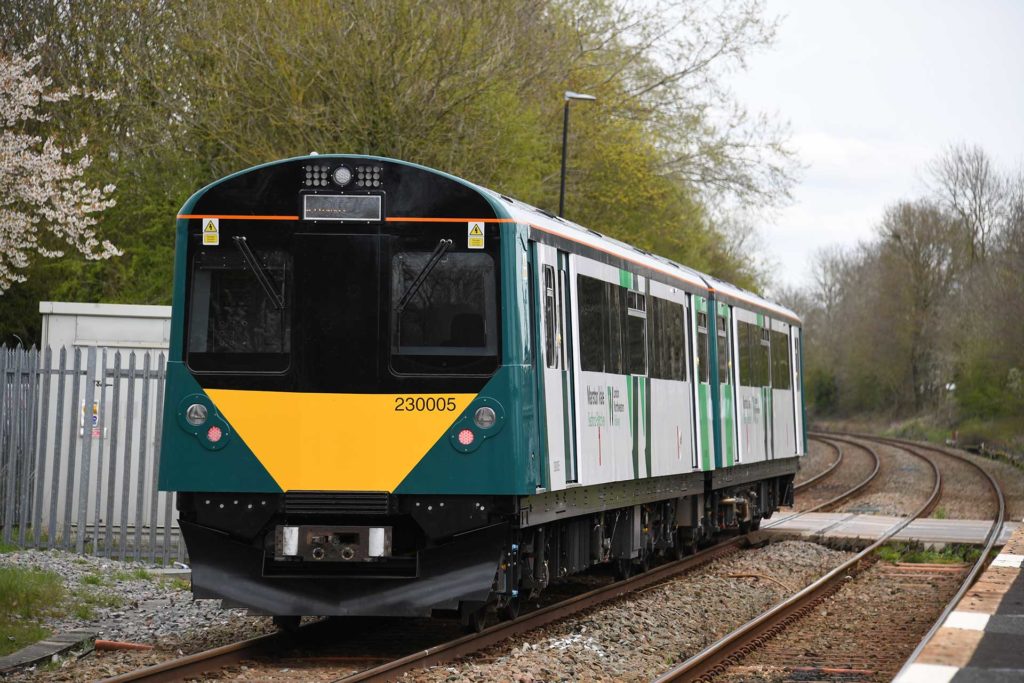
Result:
<point x="211" y="231"/>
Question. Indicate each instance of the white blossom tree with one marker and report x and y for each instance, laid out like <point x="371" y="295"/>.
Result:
<point x="44" y="203"/>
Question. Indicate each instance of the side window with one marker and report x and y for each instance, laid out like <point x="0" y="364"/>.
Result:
<point x="551" y="340"/>
<point x="636" y="325"/>
<point x="703" y="362"/>
<point x="666" y="324"/>
<point x="723" y="351"/>
<point x="593" y="328"/>
<point x="781" y="375"/>
<point x="745" y="338"/>
<point x="616" y="304"/>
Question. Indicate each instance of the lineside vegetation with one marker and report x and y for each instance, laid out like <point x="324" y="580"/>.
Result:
<point x="207" y="88"/>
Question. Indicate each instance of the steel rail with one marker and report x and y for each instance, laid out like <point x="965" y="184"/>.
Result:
<point x="828" y="470"/>
<point x="475" y="642"/>
<point x="200" y="663"/>
<point x="715" y="658"/>
<point x="993" y="536"/>
<point x="846" y="495"/>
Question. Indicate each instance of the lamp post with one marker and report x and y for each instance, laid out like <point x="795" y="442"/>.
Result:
<point x="569" y="95"/>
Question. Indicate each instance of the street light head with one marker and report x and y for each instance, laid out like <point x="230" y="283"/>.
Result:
<point x="570" y="95"/>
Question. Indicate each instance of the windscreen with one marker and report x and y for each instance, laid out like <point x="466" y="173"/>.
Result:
<point x="240" y="317"/>
<point x="443" y="307"/>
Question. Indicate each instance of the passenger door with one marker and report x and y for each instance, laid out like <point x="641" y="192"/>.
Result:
<point x="702" y="384"/>
<point x="726" y="383"/>
<point x="555" y="364"/>
<point x="798" y="397"/>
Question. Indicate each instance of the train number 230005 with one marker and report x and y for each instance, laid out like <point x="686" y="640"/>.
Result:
<point x="424" y="403"/>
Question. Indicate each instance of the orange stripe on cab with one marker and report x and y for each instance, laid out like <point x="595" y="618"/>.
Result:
<point x="237" y="218"/>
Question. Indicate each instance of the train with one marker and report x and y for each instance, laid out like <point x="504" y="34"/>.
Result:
<point x="393" y="392"/>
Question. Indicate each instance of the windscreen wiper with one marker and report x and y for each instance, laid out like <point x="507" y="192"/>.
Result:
<point x="259" y="272"/>
<point x="435" y="258"/>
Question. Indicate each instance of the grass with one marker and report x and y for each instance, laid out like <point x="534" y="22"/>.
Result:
<point x="940" y="513"/>
<point x="917" y="554"/>
<point x="92" y="580"/>
<point x="179" y="584"/>
<point x="29" y="596"/>
<point x="26" y="597"/>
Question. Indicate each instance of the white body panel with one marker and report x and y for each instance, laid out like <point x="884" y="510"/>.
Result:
<point x="753" y="425"/>
<point x="673" y="443"/>
<point x="783" y="421"/>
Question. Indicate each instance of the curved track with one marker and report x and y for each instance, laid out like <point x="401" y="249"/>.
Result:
<point x="843" y="496"/>
<point x="218" y="658"/>
<point x="714" y="660"/>
<point x="990" y="541"/>
<point x="702" y="666"/>
<point x="828" y="470"/>
<point x="731" y="649"/>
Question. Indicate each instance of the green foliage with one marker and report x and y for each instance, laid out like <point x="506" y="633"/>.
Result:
<point x="26" y="597"/>
<point x="916" y="553"/>
<point x="474" y="89"/>
<point x="92" y="580"/>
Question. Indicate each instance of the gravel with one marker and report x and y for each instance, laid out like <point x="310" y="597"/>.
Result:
<point x="903" y="484"/>
<point x="133" y="607"/>
<point x="855" y="467"/>
<point x="640" y="636"/>
<point x="871" y="624"/>
<point x="819" y="458"/>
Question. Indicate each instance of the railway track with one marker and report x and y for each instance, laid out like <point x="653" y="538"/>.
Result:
<point x="833" y="441"/>
<point x="726" y="650"/>
<point x="228" y="655"/>
<point x="804" y="485"/>
<point x="730" y="650"/>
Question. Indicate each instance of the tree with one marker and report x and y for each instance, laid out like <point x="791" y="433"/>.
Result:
<point x="968" y="185"/>
<point x="44" y="203"/>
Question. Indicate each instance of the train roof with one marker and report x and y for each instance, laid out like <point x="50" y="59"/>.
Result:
<point x="542" y="220"/>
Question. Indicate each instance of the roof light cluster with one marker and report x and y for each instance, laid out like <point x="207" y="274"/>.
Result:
<point x="368" y="176"/>
<point x="316" y="176"/>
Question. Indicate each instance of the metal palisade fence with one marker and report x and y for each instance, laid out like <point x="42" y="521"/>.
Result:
<point x="79" y="452"/>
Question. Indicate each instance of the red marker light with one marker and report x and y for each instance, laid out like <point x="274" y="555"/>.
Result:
<point x="214" y="434"/>
<point x="466" y="437"/>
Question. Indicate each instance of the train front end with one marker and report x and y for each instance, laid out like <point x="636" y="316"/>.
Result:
<point x="346" y="356"/>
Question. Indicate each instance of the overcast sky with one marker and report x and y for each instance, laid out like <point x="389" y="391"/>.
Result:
<point x="873" y="91"/>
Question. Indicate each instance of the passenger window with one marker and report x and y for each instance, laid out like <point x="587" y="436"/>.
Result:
<point x="724" y="351"/>
<point x="616" y="304"/>
<point x="550" y="313"/>
<point x="781" y="375"/>
<point x="666" y="325"/>
<point x="593" y="328"/>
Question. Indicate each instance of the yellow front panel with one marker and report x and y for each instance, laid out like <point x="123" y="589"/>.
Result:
<point x="334" y="442"/>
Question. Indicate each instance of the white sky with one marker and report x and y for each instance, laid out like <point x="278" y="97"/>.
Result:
<point x="874" y="90"/>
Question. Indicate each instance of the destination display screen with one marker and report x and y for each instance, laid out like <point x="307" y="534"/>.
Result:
<point x="336" y="207"/>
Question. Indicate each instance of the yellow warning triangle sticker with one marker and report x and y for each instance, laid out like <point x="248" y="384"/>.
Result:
<point x="210" y="227"/>
<point x="476" y="230"/>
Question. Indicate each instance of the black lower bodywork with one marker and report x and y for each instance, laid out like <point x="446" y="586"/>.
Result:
<point x="459" y="553"/>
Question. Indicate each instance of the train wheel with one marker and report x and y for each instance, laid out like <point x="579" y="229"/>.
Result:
<point x="755" y="523"/>
<point x="473" y="616"/>
<point x="510" y="610"/>
<point x="623" y="569"/>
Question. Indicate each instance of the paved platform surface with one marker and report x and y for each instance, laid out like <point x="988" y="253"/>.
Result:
<point x="848" y="525"/>
<point x="983" y="639"/>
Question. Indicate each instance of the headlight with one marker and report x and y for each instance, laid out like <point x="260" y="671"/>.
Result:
<point x="484" y="417"/>
<point x="196" y="414"/>
<point x="342" y="176"/>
